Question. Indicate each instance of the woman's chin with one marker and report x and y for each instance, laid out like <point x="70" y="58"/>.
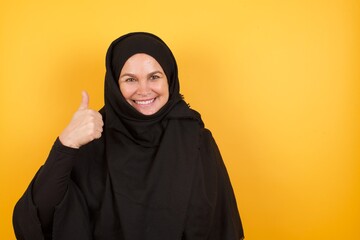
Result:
<point x="146" y="110"/>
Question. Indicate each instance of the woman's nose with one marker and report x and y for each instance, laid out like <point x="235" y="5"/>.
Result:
<point x="143" y="88"/>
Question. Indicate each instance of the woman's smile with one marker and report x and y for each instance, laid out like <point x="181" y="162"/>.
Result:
<point x="144" y="102"/>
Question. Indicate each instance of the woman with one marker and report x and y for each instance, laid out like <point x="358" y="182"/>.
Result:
<point x="143" y="168"/>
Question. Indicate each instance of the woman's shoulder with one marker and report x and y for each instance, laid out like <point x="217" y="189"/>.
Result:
<point x="206" y="135"/>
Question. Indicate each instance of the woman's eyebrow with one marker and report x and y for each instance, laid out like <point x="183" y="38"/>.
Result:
<point x="134" y="75"/>
<point x="155" y="72"/>
<point x="128" y="75"/>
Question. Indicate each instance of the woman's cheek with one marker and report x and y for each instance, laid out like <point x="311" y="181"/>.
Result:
<point x="126" y="90"/>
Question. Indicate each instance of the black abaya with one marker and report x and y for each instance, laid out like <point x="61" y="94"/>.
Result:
<point x="148" y="177"/>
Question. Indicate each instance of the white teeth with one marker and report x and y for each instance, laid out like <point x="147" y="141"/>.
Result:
<point x="144" y="102"/>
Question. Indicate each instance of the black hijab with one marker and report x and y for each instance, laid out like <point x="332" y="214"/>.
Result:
<point x="143" y="129"/>
<point x="151" y="158"/>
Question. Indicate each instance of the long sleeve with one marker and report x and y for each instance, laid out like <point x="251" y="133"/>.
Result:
<point x="51" y="199"/>
<point x="213" y="212"/>
<point x="52" y="182"/>
<point x="226" y="220"/>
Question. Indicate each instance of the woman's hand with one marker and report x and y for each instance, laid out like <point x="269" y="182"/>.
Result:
<point x="85" y="126"/>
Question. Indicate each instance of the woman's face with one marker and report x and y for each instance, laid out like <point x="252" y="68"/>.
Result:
<point x="144" y="84"/>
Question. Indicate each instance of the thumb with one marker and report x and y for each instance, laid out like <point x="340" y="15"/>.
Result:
<point x="84" y="101"/>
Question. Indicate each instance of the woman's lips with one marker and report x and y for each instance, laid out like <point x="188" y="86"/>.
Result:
<point x="144" y="102"/>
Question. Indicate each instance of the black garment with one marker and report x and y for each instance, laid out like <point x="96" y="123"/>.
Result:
<point x="148" y="177"/>
<point x="87" y="209"/>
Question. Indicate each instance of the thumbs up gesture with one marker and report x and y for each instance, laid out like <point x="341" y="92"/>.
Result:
<point x="85" y="126"/>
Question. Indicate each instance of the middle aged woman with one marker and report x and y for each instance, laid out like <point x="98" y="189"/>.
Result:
<point x="151" y="172"/>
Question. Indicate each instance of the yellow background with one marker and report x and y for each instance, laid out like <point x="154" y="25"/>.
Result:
<point x="277" y="82"/>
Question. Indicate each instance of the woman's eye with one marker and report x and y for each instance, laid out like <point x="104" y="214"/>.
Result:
<point x="153" y="77"/>
<point x="130" y="80"/>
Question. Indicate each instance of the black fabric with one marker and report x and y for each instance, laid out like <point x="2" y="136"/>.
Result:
<point x="145" y="130"/>
<point x="51" y="183"/>
<point x="148" y="177"/>
<point x="150" y="158"/>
